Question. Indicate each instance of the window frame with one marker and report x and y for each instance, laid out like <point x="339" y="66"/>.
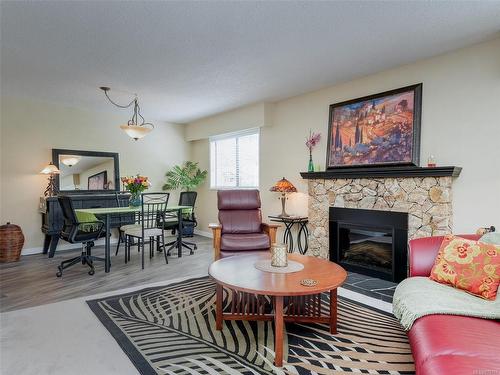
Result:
<point x="236" y="134"/>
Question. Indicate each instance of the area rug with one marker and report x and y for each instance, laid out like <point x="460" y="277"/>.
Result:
<point x="171" y="330"/>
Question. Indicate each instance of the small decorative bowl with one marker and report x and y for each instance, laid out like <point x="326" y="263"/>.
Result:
<point x="308" y="282"/>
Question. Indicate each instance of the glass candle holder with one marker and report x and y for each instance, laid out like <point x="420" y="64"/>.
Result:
<point x="279" y="255"/>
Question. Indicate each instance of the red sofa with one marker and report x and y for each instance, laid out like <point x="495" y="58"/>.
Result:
<point x="450" y="344"/>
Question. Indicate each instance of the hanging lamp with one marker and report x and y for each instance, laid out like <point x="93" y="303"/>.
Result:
<point x="136" y="127"/>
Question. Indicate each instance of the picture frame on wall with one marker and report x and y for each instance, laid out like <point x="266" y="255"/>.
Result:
<point x="98" y="181"/>
<point x="376" y="130"/>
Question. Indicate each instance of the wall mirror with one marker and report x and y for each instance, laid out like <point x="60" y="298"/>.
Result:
<point x="86" y="171"/>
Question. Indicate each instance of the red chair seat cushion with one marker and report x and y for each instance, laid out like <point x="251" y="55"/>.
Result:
<point x="227" y="254"/>
<point x="244" y="242"/>
<point x="440" y="341"/>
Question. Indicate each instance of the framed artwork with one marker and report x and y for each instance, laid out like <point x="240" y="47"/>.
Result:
<point x="98" y="181"/>
<point x="376" y="130"/>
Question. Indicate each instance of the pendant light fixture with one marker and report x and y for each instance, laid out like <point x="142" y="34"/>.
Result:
<point x="70" y="160"/>
<point x="136" y="127"/>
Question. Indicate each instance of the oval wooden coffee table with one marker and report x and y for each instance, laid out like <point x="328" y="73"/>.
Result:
<point x="292" y="302"/>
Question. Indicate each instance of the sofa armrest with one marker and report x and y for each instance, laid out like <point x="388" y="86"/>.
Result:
<point x="216" y="232"/>
<point x="422" y="253"/>
<point x="270" y="229"/>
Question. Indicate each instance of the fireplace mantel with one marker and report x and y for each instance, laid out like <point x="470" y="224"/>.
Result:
<point x="384" y="172"/>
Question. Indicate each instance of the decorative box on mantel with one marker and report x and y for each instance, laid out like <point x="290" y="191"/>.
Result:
<point x="424" y="193"/>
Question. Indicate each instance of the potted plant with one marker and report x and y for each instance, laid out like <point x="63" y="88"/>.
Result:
<point x="186" y="177"/>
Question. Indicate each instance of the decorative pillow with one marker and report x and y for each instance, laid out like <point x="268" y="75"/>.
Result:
<point x="491" y="237"/>
<point x="469" y="265"/>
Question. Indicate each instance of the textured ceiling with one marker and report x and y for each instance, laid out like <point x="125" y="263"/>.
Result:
<point x="192" y="59"/>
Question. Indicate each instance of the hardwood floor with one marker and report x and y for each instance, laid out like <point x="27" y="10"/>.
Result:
<point x="32" y="281"/>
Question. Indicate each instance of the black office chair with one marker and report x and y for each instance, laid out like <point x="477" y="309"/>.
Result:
<point x="186" y="198"/>
<point x="152" y="228"/>
<point x="78" y="232"/>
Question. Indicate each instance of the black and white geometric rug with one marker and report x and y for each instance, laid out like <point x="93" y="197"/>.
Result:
<point x="171" y="330"/>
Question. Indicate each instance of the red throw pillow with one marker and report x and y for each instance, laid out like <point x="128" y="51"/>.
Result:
<point x="469" y="265"/>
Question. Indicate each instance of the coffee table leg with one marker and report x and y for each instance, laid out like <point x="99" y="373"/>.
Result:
<point x="333" y="311"/>
<point x="278" y="331"/>
<point x="218" y="307"/>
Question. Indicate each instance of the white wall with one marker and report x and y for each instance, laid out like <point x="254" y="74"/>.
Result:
<point x="31" y="129"/>
<point x="460" y="126"/>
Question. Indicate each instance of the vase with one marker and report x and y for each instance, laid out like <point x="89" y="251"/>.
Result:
<point x="310" y="167"/>
<point x="279" y="255"/>
<point x="135" y="200"/>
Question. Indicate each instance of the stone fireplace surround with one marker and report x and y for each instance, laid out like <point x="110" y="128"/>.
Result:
<point x="427" y="200"/>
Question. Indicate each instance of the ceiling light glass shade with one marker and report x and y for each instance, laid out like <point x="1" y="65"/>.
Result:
<point x="50" y="169"/>
<point x="284" y="186"/>
<point x="136" y="131"/>
<point x="71" y="160"/>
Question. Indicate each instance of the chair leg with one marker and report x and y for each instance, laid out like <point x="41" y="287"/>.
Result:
<point x="163" y="245"/>
<point x="126" y="245"/>
<point x="141" y="245"/>
<point x="120" y="234"/>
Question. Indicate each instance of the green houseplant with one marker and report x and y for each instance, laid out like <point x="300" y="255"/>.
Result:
<point x="186" y="177"/>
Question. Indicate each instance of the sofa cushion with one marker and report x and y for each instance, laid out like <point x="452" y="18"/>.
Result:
<point x="437" y="338"/>
<point x="469" y="265"/>
<point x="459" y="365"/>
<point x="245" y="242"/>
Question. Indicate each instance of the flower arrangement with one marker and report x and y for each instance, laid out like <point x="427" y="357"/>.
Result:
<point x="136" y="185"/>
<point x="311" y="142"/>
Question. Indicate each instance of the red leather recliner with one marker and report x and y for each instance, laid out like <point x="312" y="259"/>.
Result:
<point x="240" y="229"/>
<point x="450" y="344"/>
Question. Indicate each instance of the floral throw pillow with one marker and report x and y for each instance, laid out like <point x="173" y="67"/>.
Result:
<point x="469" y="265"/>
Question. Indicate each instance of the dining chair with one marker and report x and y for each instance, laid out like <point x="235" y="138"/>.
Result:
<point x="75" y="231"/>
<point x="186" y="198"/>
<point x="130" y="221"/>
<point x="152" y="225"/>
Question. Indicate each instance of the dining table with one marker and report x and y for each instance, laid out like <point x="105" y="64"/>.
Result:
<point x="107" y="212"/>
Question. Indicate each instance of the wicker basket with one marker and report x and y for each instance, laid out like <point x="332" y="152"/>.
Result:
<point x="11" y="243"/>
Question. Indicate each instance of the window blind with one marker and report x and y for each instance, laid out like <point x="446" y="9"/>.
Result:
<point x="234" y="160"/>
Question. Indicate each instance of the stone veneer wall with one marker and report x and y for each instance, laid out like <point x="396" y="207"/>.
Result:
<point x="428" y="202"/>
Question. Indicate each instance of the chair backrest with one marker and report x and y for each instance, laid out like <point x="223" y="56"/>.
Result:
<point x="153" y="209"/>
<point x="239" y="211"/>
<point x="121" y="202"/>
<point x="188" y="198"/>
<point x="70" y="226"/>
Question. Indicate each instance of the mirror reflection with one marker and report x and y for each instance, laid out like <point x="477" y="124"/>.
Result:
<point x="86" y="172"/>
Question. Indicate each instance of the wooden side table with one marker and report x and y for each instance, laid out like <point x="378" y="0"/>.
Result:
<point x="248" y="287"/>
<point x="302" y="234"/>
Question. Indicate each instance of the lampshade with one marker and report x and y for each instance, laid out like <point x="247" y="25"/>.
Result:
<point x="70" y="160"/>
<point x="283" y="186"/>
<point x="136" y="131"/>
<point x="50" y="169"/>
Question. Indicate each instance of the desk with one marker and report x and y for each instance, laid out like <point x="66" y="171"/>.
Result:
<point x="111" y="211"/>
<point x="302" y="235"/>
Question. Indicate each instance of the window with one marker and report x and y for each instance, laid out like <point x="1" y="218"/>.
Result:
<point x="234" y="160"/>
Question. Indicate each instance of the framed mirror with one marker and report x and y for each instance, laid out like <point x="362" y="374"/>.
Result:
<point x="86" y="171"/>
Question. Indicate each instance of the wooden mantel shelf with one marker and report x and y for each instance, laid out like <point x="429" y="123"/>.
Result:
<point x="384" y="172"/>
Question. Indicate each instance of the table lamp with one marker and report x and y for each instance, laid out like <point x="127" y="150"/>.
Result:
<point x="283" y="186"/>
<point x="51" y="170"/>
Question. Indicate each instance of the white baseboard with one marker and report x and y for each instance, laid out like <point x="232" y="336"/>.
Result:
<point x="62" y="245"/>
<point x="203" y="233"/>
<point x="67" y="246"/>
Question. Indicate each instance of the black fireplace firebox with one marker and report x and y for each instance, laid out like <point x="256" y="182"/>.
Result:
<point x="370" y="242"/>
